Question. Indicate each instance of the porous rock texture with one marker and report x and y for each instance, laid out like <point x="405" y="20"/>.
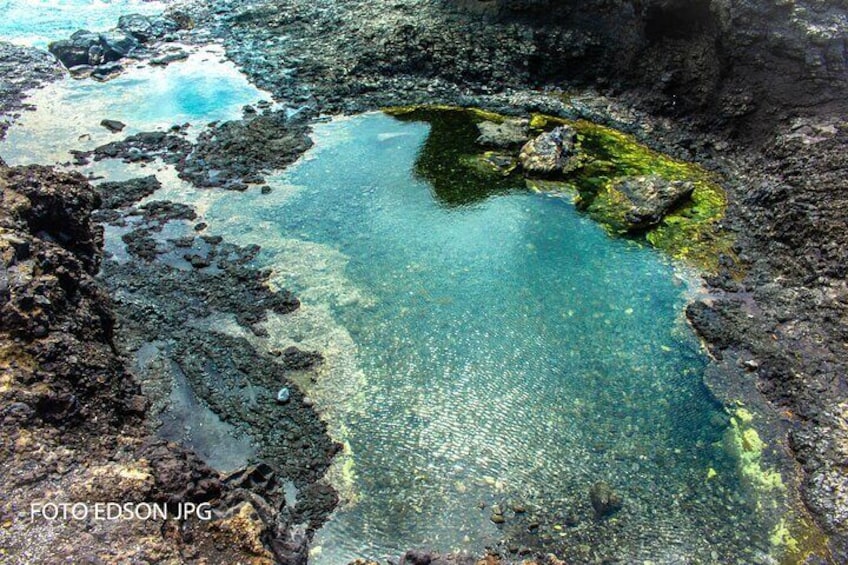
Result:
<point x="71" y="413"/>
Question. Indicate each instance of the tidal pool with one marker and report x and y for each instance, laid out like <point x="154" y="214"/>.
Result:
<point x="484" y="347"/>
<point x="199" y="90"/>
<point x="511" y="353"/>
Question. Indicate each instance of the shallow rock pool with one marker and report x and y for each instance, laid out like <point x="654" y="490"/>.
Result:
<point x="489" y="354"/>
<point x="508" y="355"/>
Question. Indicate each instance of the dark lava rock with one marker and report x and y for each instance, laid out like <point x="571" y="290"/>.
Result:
<point x="137" y="25"/>
<point x="651" y="198"/>
<point x="144" y="146"/>
<point x="295" y="359"/>
<point x="416" y="558"/>
<point x="93" y="49"/>
<point x="124" y="193"/>
<point x="604" y="500"/>
<point x="235" y="153"/>
<point x="107" y="71"/>
<point x="161" y="211"/>
<point x="145" y="29"/>
<point x="549" y="153"/>
<point x="509" y="133"/>
<point x="114" y="126"/>
<point x="117" y="44"/>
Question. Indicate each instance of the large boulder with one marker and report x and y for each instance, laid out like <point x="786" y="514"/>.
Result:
<point x="650" y="198"/>
<point x="140" y="27"/>
<point x="551" y="152"/>
<point x="84" y="48"/>
<point x="117" y="44"/>
<point x="75" y="51"/>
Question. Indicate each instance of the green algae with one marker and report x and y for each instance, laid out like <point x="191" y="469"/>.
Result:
<point x="744" y="443"/>
<point x="691" y="233"/>
<point x="450" y="160"/>
<point x="461" y="174"/>
<point x="794" y="536"/>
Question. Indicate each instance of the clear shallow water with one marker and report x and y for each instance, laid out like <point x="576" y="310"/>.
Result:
<point x="509" y="351"/>
<point x="38" y="22"/>
<point x="199" y="90"/>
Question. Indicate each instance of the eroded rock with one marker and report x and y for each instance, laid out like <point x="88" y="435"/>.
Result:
<point x="550" y="152"/>
<point x="649" y="198"/>
<point x="509" y="133"/>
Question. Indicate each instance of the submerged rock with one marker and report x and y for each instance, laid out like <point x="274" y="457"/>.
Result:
<point x="509" y="133"/>
<point x="604" y="499"/>
<point x="551" y="152"/>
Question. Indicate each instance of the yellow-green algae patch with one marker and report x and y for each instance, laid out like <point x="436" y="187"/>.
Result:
<point x="794" y="537"/>
<point x="691" y="233"/>
<point x="745" y="444"/>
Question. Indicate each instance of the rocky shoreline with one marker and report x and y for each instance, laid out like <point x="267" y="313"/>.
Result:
<point x="699" y="84"/>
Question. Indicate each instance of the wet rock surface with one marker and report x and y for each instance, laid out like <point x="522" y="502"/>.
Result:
<point x="648" y="199"/>
<point x="230" y="155"/>
<point x="550" y="153"/>
<point x="22" y="68"/>
<point x="121" y="194"/>
<point x="509" y="133"/>
<point x="71" y="412"/>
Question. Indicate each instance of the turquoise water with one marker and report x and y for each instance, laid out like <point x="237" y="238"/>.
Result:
<point x="38" y="22"/>
<point x="197" y="91"/>
<point x="510" y="351"/>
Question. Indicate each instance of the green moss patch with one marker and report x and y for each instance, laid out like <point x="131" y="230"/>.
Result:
<point x="690" y="233"/>
<point x="461" y="174"/>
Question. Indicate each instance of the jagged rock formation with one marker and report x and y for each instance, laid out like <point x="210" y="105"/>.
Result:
<point x="70" y="412"/>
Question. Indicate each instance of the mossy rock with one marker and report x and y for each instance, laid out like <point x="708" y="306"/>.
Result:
<point x="690" y="232"/>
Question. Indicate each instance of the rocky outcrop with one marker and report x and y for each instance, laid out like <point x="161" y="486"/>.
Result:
<point x="647" y="199"/>
<point x="551" y="152"/>
<point x="71" y="414"/>
<point x="504" y="135"/>
<point x="22" y="68"/>
<point x="86" y="48"/>
<point x="98" y="54"/>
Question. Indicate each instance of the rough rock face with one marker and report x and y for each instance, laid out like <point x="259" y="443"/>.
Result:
<point x="229" y="155"/>
<point x="124" y="193"/>
<point x="71" y="414"/>
<point x="649" y="198"/>
<point x="506" y="134"/>
<point x="86" y="48"/>
<point x="550" y="152"/>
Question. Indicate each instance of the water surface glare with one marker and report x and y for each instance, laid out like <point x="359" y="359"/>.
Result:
<point x="512" y="352"/>
<point x="38" y="22"/>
